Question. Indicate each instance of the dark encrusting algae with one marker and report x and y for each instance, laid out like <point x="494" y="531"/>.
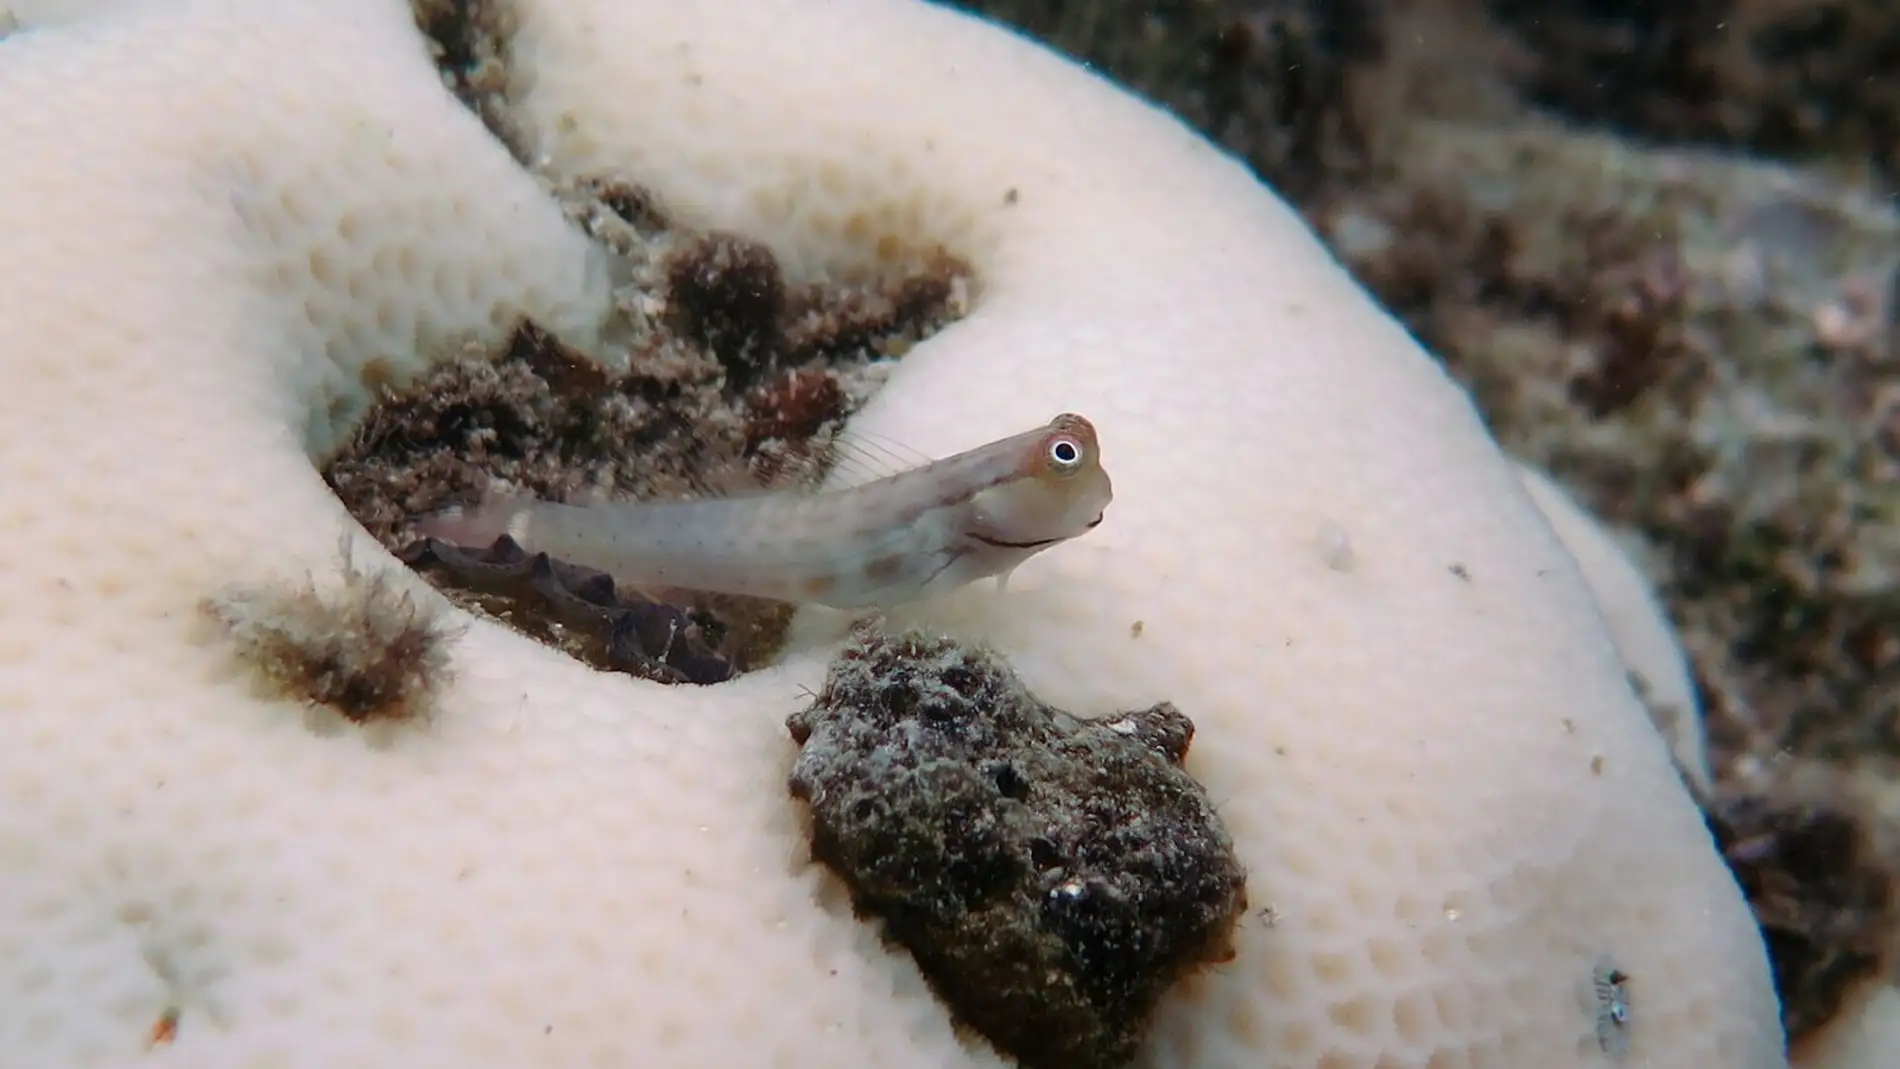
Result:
<point x="1052" y="876"/>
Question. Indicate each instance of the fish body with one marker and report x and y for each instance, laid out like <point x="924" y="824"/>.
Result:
<point x="904" y="537"/>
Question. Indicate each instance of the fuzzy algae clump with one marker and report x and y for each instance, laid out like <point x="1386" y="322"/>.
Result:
<point x="373" y="651"/>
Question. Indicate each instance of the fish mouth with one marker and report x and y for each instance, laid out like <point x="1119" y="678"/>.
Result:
<point x="1002" y="544"/>
<point x="1037" y="543"/>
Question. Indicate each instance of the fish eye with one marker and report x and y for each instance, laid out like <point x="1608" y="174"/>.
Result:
<point x="1065" y="455"/>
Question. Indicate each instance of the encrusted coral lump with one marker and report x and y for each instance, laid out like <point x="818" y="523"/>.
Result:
<point x="1052" y="876"/>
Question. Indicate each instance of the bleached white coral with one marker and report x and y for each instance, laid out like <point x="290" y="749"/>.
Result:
<point x="1639" y="627"/>
<point x="224" y="220"/>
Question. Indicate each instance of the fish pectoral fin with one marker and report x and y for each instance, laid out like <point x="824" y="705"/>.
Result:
<point x="1002" y="579"/>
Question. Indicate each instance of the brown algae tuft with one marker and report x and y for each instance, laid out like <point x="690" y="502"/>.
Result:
<point x="1052" y="876"/>
<point x="369" y="650"/>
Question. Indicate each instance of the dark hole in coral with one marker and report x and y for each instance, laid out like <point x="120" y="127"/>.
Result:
<point x="962" y="681"/>
<point x="742" y="386"/>
<point x="900" y="700"/>
<point x="1009" y="782"/>
<point x="1043" y="854"/>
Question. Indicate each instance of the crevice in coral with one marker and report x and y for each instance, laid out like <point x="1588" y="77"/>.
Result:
<point x="721" y="376"/>
<point x="469" y="42"/>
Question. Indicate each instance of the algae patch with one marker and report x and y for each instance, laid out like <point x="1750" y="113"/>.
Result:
<point x="1052" y="876"/>
<point x="369" y="650"/>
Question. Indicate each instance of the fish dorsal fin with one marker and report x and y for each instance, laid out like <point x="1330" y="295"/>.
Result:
<point x="732" y="478"/>
<point x="806" y="466"/>
<point x="866" y="457"/>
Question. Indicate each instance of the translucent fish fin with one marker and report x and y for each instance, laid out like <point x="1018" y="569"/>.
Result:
<point x="807" y="466"/>
<point x="732" y="478"/>
<point x="781" y="466"/>
<point x="1002" y="580"/>
<point x="866" y="457"/>
<point x="710" y="473"/>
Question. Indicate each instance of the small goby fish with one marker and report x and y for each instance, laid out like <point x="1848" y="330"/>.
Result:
<point x="904" y="537"/>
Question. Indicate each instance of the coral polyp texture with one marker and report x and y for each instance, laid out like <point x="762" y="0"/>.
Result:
<point x="231" y="225"/>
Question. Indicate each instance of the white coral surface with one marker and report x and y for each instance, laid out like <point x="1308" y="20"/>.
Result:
<point x="221" y="219"/>
<point x="1638" y="626"/>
